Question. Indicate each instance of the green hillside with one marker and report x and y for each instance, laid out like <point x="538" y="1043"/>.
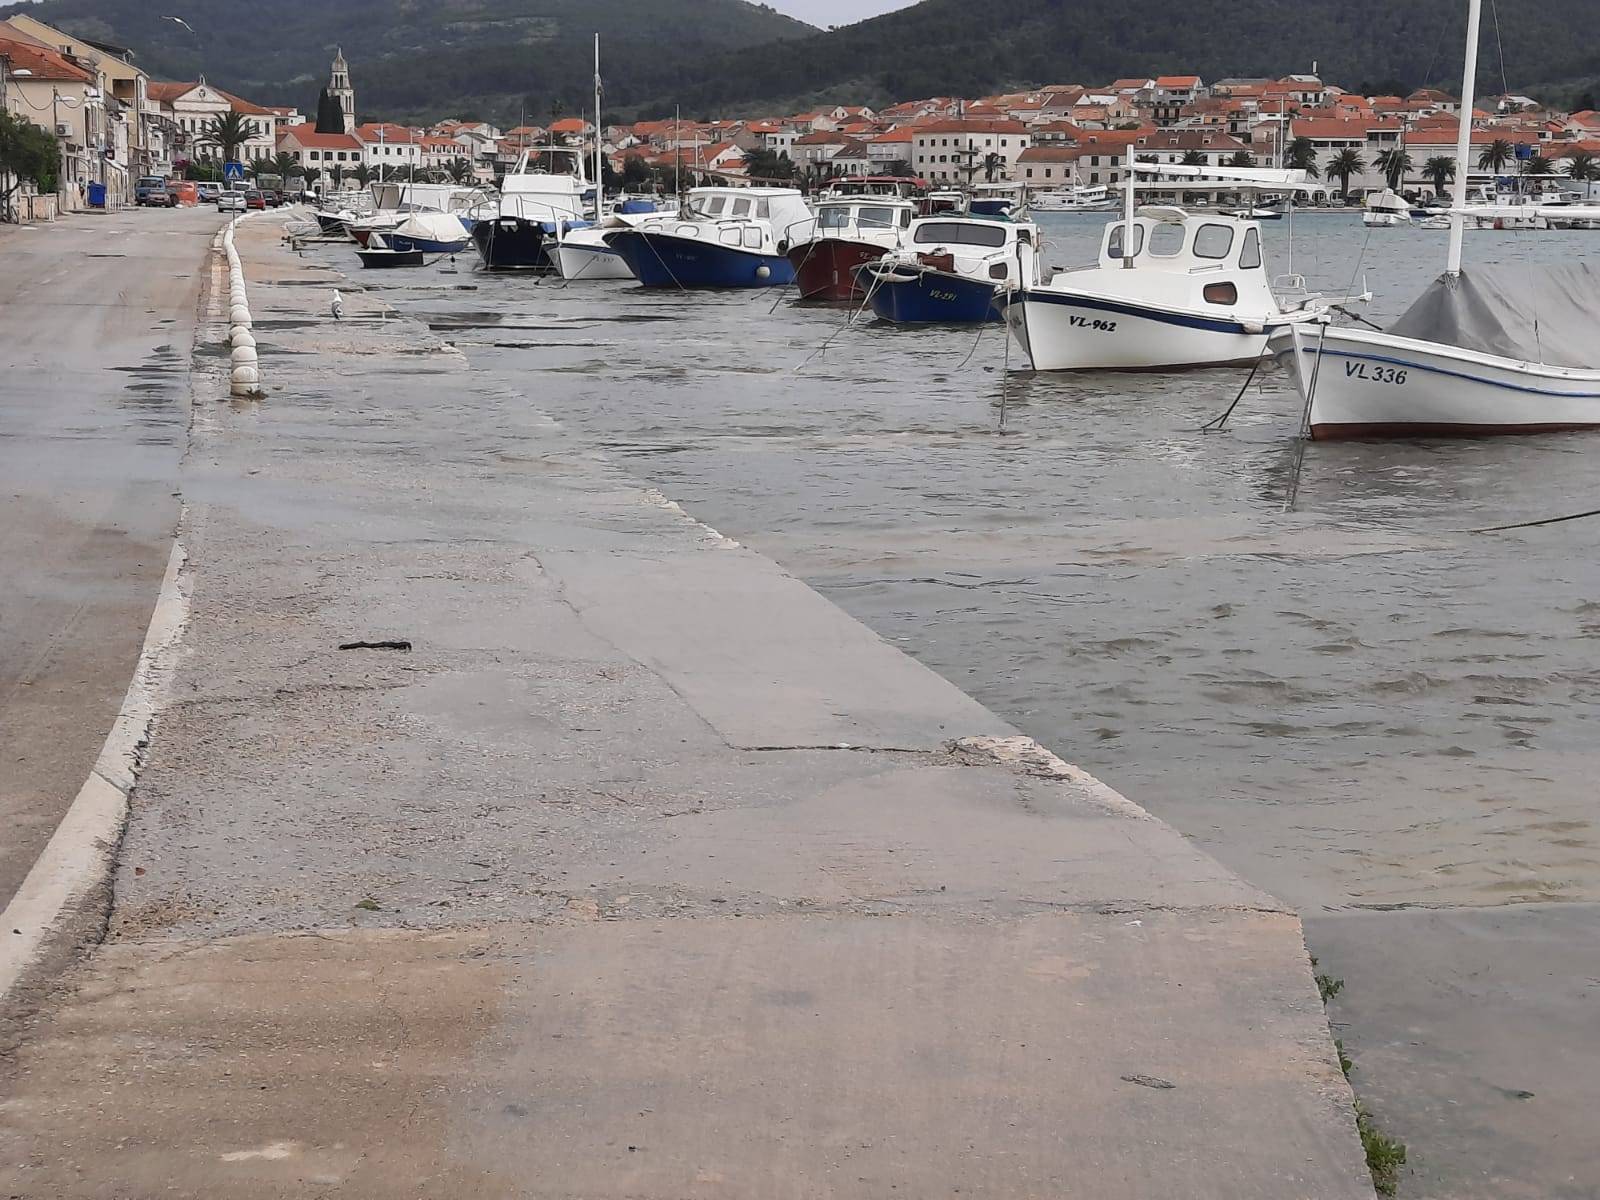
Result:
<point x="428" y="58"/>
<point x="956" y="47"/>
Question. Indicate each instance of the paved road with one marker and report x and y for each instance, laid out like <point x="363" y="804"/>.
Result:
<point x="97" y="319"/>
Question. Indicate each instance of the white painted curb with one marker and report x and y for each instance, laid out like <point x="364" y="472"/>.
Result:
<point x="82" y="852"/>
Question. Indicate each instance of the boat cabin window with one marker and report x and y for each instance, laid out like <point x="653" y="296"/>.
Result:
<point x="741" y="207"/>
<point x="833" y="216"/>
<point x="1166" y="241"/>
<point x="876" y="217"/>
<point x="1220" y="293"/>
<point x="959" y="233"/>
<point x="763" y="210"/>
<point x="1213" y="241"/>
<point x="1114" y="242"/>
<point x="752" y="237"/>
<point x="709" y="206"/>
<point x="1250" y="256"/>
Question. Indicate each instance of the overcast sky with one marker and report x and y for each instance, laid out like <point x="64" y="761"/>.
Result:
<point x="836" y="12"/>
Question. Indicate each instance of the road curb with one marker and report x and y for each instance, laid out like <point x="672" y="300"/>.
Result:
<point x="80" y="856"/>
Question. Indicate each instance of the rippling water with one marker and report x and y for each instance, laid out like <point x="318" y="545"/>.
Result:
<point x="1353" y="702"/>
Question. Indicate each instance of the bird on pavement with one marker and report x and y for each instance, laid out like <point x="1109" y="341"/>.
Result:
<point x="338" y="305"/>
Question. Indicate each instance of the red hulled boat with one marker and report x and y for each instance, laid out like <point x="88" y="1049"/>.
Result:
<point x="848" y="232"/>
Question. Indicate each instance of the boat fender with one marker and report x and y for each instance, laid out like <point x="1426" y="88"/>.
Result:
<point x="763" y="271"/>
<point x="1253" y="327"/>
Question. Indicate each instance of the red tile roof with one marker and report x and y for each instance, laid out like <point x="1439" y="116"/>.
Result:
<point x="166" y="93"/>
<point x="42" y="63"/>
<point x="1177" y="81"/>
<point x="306" y="136"/>
<point x="569" y="125"/>
<point x="983" y="125"/>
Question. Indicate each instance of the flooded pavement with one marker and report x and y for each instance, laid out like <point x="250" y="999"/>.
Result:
<point x="97" y="316"/>
<point x="1358" y="703"/>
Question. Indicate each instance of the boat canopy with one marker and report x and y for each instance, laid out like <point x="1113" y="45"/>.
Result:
<point x="432" y="227"/>
<point x="1545" y="314"/>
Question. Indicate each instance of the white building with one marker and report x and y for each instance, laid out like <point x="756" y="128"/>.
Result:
<point x="194" y="106"/>
<point x="956" y="151"/>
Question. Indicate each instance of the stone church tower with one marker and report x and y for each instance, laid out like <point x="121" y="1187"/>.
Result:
<point x="339" y="88"/>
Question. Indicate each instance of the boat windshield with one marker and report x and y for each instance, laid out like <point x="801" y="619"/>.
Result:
<point x="708" y="206"/>
<point x="841" y="216"/>
<point x="962" y="233"/>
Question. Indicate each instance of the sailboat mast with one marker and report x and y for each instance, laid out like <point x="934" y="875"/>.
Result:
<point x="1469" y="83"/>
<point x="599" y="185"/>
<point x="677" y="151"/>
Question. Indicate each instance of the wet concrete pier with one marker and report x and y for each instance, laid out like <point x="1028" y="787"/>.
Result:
<point x="643" y="872"/>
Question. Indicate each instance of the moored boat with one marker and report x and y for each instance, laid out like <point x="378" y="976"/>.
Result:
<point x="544" y="190"/>
<point x="1490" y="350"/>
<point x="847" y="233"/>
<point x="730" y="238"/>
<point x="948" y="270"/>
<point x="430" y="233"/>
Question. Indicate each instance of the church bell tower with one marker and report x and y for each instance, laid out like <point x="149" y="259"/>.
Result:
<point x="339" y="88"/>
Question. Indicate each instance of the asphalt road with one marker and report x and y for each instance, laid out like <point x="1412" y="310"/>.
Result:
<point x="97" y="318"/>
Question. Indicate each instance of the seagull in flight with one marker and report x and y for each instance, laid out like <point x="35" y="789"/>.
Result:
<point x="337" y="307"/>
<point x="182" y="22"/>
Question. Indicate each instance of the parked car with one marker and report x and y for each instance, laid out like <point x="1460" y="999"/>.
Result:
<point x="230" y="202"/>
<point x="272" y="198"/>
<point x="254" y="199"/>
<point x="152" y="192"/>
<point x="208" y="192"/>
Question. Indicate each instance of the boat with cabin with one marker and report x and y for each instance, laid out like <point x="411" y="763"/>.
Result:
<point x="1487" y="350"/>
<point x="545" y="190"/>
<point x="729" y="237"/>
<point x="393" y="201"/>
<point x="948" y="270"/>
<point x="1385" y="209"/>
<point x="1082" y="198"/>
<point x="1169" y="290"/>
<point x="847" y="232"/>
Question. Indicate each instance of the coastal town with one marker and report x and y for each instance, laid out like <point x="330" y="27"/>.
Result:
<point x="114" y="125"/>
<point x="558" y="642"/>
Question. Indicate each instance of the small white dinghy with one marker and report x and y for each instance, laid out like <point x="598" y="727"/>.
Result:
<point x="1487" y="351"/>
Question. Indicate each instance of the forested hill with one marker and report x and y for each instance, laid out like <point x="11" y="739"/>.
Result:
<point x="417" y="59"/>
<point x="961" y="48"/>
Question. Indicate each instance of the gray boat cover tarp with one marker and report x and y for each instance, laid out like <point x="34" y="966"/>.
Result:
<point x="1546" y="314"/>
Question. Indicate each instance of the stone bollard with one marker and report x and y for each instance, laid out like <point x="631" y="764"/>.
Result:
<point x="245" y="376"/>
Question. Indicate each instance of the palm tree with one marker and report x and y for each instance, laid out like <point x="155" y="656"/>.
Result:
<point x="459" y="170"/>
<point x="362" y="174"/>
<point x="312" y="174"/>
<point x="992" y="162"/>
<point x="1193" y="158"/>
<point x="336" y="175"/>
<point x="1302" y="156"/>
<point x="1241" y="158"/>
<point x="1538" y="165"/>
<point x="1394" y="163"/>
<point x="1582" y="166"/>
<point x="1439" y="170"/>
<point x="1496" y="155"/>
<point x="228" y="132"/>
<point x="1343" y="165"/>
<point x="285" y="164"/>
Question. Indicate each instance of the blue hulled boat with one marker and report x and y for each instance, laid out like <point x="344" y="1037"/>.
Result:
<point x="730" y="238"/>
<point x="948" y="272"/>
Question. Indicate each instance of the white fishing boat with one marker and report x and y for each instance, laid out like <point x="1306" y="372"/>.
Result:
<point x="394" y="201"/>
<point x="1077" y="199"/>
<point x="729" y="237"/>
<point x="581" y="250"/>
<point x="847" y="232"/>
<point x="1385" y="209"/>
<point x="1505" y="349"/>
<point x="950" y="269"/>
<point x="1170" y="289"/>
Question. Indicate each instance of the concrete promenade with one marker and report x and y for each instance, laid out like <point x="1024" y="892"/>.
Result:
<point x="644" y="872"/>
